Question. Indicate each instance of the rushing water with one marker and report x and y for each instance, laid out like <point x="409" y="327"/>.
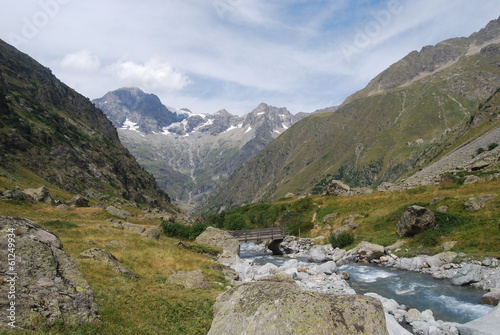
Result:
<point x="415" y="290"/>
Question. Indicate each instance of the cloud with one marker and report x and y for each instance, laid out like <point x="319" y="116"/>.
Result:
<point x="82" y="60"/>
<point x="154" y="74"/>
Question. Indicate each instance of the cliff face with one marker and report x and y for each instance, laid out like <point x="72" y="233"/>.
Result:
<point x="59" y="135"/>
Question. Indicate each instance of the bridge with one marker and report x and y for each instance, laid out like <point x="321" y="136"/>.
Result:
<point x="257" y="235"/>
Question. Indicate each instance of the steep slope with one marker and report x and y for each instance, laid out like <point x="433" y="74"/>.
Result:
<point x="190" y="154"/>
<point x="59" y="135"/>
<point x="380" y="133"/>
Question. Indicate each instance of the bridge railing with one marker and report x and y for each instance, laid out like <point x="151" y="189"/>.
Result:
<point x="259" y="234"/>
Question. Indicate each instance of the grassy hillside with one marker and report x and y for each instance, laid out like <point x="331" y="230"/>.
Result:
<point x="477" y="233"/>
<point x="127" y="306"/>
<point x="373" y="138"/>
<point x="58" y="134"/>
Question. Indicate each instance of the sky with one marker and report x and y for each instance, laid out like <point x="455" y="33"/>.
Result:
<point x="207" y="55"/>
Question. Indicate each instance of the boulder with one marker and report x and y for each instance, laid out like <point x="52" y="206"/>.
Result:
<point x="475" y="204"/>
<point x="327" y="268"/>
<point x="468" y="273"/>
<point x="189" y="279"/>
<point x="317" y="253"/>
<point x="276" y="305"/>
<point x="368" y="251"/>
<point x="49" y="287"/>
<point x="121" y="213"/>
<point x="487" y="325"/>
<point x="79" y="201"/>
<point x="222" y="239"/>
<point x="491" y="298"/>
<point x="41" y="194"/>
<point x="136" y="228"/>
<point x="415" y="219"/>
<point x="338" y="188"/>
<point x="153" y="233"/>
<point x="104" y="256"/>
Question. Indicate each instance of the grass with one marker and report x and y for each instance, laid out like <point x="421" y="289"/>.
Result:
<point x="149" y="306"/>
<point x="127" y="306"/>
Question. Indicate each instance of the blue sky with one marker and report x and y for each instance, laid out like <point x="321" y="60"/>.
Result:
<point x="207" y="55"/>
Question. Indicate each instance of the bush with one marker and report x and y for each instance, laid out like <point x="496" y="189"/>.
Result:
<point x="492" y="146"/>
<point x="341" y="240"/>
<point x="234" y="222"/>
<point x="174" y="229"/>
<point x="480" y="150"/>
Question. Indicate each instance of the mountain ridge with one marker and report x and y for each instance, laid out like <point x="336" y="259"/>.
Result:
<point x="59" y="135"/>
<point x="373" y="138"/>
<point x="190" y="154"/>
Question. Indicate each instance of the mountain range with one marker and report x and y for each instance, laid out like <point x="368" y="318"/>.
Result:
<point x="190" y="154"/>
<point x="404" y="119"/>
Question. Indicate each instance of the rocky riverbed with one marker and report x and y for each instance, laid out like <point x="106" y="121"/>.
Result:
<point x="317" y="268"/>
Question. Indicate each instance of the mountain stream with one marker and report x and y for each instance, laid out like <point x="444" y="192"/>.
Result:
<point x="415" y="290"/>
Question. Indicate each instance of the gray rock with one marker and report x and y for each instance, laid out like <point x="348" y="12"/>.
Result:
<point x="491" y="298"/>
<point x="468" y="273"/>
<point x="121" y="213"/>
<point x="276" y="305"/>
<point x="327" y="268"/>
<point x="153" y="233"/>
<point x="41" y="194"/>
<point x="104" y="256"/>
<point x="442" y="209"/>
<point x="317" y="253"/>
<point x="487" y="325"/>
<point x="338" y="188"/>
<point x="189" y="279"/>
<point x="471" y="179"/>
<point x="49" y="287"/>
<point x="475" y="204"/>
<point x="368" y="251"/>
<point x="414" y="220"/>
<point x="136" y="228"/>
<point x="222" y="239"/>
<point x="79" y="201"/>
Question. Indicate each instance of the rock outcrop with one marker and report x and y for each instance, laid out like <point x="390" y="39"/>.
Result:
<point x="43" y="281"/>
<point x="414" y="220"/>
<point x="104" y="256"/>
<point x="276" y="305"/>
<point x="222" y="239"/>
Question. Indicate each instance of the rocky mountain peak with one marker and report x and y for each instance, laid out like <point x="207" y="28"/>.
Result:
<point x="133" y="109"/>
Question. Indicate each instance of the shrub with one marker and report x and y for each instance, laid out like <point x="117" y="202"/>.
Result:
<point x="480" y="150"/>
<point x="492" y="146"/>
<point x="174" y="229"/>
<point x="341" y="240"/>
<point x="234" y="221"/>
<point x="58" y="224"/>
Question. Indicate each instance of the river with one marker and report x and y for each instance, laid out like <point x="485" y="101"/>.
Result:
<point x="415" y="290"/>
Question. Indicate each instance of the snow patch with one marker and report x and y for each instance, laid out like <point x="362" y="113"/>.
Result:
<point x="129" y="125"/>
<point x="249" y="128"/>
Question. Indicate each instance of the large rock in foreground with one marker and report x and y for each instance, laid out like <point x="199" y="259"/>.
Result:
<point x="276" y="305"/>
<point x="47" y="287"/>
<point x="415" y="219"/>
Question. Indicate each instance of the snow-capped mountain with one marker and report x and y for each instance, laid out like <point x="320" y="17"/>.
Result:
<point x="190" y="154"/>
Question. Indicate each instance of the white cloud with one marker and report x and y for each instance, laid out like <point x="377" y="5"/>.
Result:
<point x="153" y="74"/>
<point x="82" y="60"/>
